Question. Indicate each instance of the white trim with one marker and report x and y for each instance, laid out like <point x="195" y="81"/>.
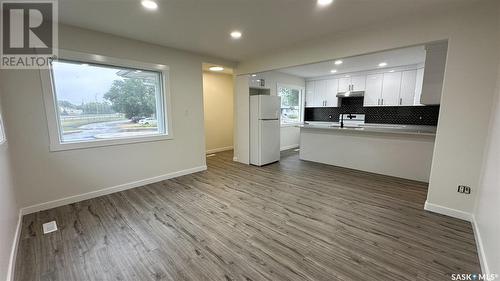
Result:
<point x="106" y="191"/>
<point x="302" y="100"/>
<point x="287" y="125"/>
<point x="480" y="248"/>
<point x="49" y="99"/>
<point x="448" y="211"/>
<point x="289" y="147"/>
<point x="3" y="137"/>
<point x="220" y="149"/>
<point x="13" y="253"/>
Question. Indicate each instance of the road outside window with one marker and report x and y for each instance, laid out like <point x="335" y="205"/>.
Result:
<point x="103" y="102"/>
<point x="291" y="104"/>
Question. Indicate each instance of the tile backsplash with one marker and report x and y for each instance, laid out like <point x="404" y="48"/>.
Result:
<point x="409" y="115"/>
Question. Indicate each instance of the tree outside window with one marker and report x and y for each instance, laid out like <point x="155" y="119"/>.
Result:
<point x="291" y="104"/>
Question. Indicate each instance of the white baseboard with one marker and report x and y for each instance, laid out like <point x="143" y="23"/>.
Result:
<point x="448" y="211"/>
<point x="289" y="147"/>
<point x="15" y="244"/>
<point x="468" y="217"/>
<point x="105" y="191"/>
<point x="215" y="150"/>
<point x="480" y="248"/>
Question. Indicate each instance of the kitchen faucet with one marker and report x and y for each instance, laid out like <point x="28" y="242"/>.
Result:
<point x="349" y="115"/>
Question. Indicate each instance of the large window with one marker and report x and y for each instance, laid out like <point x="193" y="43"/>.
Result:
<point x="291" y="104"/>
<point x="96" y="103"/>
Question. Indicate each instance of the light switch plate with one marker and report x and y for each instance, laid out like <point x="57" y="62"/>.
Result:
<point x="49" y="227"/>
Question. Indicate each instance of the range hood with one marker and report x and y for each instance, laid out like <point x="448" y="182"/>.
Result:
<point x="351" y="94"/>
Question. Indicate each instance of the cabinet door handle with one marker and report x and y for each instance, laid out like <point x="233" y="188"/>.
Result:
<point x="400" y="101"/>
<point x="382" y="102"/>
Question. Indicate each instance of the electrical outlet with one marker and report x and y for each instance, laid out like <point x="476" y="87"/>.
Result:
<point x="464" y="189"/>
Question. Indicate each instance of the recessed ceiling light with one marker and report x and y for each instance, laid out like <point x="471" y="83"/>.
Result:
<point x="382" y="64"/>
<point x="392" y="71"/>
<point x="85" y="64"/>
<point x="149" y="4"/>
<point x="324" y="2"/>
<point x="338" y="62"/>
<point x="333" y="71"/>
<point x="138" y="71"/>
<point x="216" y="68"/>
<point x="236" y="34"/>
<point x="254" y="75"/>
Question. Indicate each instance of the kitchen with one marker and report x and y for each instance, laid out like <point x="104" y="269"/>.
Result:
<point x="376" y="112"/>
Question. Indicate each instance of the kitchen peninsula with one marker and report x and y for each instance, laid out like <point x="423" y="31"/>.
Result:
<point x="403" y="151"/>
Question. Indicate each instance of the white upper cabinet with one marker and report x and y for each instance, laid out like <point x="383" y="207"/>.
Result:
<point x="396" y="88"/>
<point x="391" y="88"/>
<point x="322" y="93"/>
<point x="418" y="86"/>
<point x="320" y="89"/>
<point x="310" y="94"/>
<point x="344" y="84"/>
<point x="358" y="83"/>
<point x="355" y="83"/>
<point x="408" y="84"/>
<point x="331" y="99"/>
<point x="373" y="92"/>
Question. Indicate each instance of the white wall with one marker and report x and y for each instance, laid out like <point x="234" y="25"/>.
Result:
<point x="241" y="119"/>
<point x="8" y="209"/>
<point x="218" y="107"/>
<point x="467" y="92"/>
<point x="42" y="176"/>
<point x="289" y="135"/>
<point x="487" y="207"/>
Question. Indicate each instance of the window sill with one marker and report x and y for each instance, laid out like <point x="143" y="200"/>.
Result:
<point x="54" y="147"/>
<point x="290" y="125"/>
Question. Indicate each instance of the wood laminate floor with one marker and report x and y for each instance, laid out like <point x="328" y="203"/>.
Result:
<point x="293" y="220"/>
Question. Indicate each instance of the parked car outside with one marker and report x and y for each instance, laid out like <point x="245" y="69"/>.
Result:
<point x="148" y="122"/>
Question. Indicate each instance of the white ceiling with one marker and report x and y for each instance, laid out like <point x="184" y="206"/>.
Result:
<point x="393" y="58"/>
<point x="203" y="26"/>
<point x="206" y="67"/>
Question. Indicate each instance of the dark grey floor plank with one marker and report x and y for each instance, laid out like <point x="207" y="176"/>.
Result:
<point x="293" y="220"/>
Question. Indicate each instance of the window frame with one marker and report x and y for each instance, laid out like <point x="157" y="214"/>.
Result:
<point x="3" y="137"/>
<point x="51" y="108"/>
<point x="301" y="103"/>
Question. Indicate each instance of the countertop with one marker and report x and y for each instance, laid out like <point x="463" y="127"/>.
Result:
<point x="376" y="128"/>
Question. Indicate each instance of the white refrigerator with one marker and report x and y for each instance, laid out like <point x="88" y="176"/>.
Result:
<point x="264" y="129"/>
